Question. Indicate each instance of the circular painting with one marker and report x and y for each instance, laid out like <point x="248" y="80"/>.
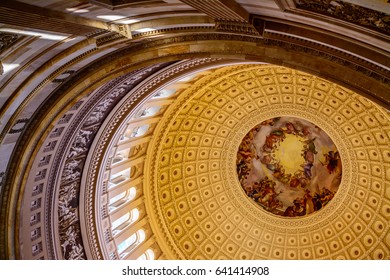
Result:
<point x="289" y="166"/>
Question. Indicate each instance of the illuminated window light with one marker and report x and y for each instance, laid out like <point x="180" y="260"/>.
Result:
<point x="35" y="33"/>
<point x="148" y="255"/>
<point x="132" y="193"/>
<point x="127" y="21"/>
<point x="137" y="237"/>
<point x="120" y="221"/>
<point x="186" y="79"/>
<point x="121" y="176"/>
<point x="81" y="11"/>
<point x="117" y="198"/>
<point x="139" y="131"/>
<point x="77" y="10"/>
<point x="164" y="93"/>
<point x="8" y="67"/>
<point x="111" y="17"/>
<point x="127" y="243"/>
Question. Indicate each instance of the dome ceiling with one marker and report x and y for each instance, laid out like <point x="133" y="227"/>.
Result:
<point x="190" y="129"/>
<point x="197" y="202"/>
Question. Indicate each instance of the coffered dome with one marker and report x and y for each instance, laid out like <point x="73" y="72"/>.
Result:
<point x="186" y="168"/>
<point x="197" y="199"/>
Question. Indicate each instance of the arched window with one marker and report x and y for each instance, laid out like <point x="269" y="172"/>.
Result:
<point x="148" y="112"/>
<point x="148" y="255"/>
<point x="117" y="158"/>
<point x="131" y="242"/>
<point x="127" y="243"/>
<point x="121" y="176"/>
<point x="139" y="131"/>
<point x="122" y="198"/>
<point x="132" y="193"/>
<point x="165" y="93"/>
<point x="120" y="221"/>
<point x="127" y="219"/>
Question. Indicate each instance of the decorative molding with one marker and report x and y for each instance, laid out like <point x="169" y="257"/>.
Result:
<point x="2" y="178"/>
<point x="236" y="27"/>
<point x="298" y="44"/>
<point x="42" y="18"/>
<point x="337" y="56"/>
<point x="109" y="38"/>
<point x="173" y="30"/>
<point x="195" y="38"/>
<point x="41" y="85"/>
<point x="63" y="76"/>
<point x="7" y="40"/>
<point x="122" y="29"/>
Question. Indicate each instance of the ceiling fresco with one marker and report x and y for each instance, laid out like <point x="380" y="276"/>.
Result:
<point x="289" y="166"/>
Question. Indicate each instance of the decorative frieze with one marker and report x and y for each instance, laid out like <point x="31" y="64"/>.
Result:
<point x="7" y="40"/>
<point x="86" y="124"/>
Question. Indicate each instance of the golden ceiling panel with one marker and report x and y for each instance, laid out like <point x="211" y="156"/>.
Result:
<point x="198" y="207"/>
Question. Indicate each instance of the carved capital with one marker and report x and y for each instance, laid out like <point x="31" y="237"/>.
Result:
<point x="122" y="29"/>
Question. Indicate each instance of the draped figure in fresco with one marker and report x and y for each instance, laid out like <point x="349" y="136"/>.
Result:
<point x="334" y="166"/>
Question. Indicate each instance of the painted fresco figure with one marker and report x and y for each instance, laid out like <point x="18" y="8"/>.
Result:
<point x="290" y="128"/>
<point x="332" y="160"/>
<point x="309" y="202"/>
<point x="307" y="169"/>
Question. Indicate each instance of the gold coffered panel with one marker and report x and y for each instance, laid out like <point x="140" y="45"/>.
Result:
<point x="198" y="209"/>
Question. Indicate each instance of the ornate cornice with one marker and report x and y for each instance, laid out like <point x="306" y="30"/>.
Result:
<point x="7" y="40"/>
<point x="306" y="48"/>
